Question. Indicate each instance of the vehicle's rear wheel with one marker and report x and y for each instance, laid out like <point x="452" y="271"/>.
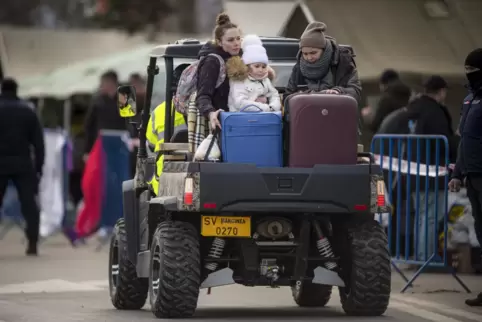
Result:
<point x="368" y="283"/>
<point x="307" y="294"/>
<point x="175" y="270"/>
<point x="127" y="291"/>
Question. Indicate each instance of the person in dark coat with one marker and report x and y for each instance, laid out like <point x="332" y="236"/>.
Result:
<point x="20" y="133"/>
<point x="211" y="100"/>
<point x="323" y="66"/>
<point x="429" y="116"/>
<point x="395" y="95"/>
<point x="469" y="159"/>
<point x="139" y="84"/>
<point x="103" y="114"/>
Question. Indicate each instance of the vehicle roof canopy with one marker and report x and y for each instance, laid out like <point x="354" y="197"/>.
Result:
<point x="277" y="48"/>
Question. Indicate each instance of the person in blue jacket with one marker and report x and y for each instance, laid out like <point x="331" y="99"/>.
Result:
<point x="469" y="159"/>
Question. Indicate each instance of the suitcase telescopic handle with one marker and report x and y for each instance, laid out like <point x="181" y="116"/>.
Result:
<point x="244" y="108"/>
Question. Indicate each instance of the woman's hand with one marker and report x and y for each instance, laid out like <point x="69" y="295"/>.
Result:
<point x="330" y="91"/>
<point x="214" y="120"/>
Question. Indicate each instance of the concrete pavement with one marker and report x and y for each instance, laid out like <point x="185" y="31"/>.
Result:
<point x="66" y="284"/>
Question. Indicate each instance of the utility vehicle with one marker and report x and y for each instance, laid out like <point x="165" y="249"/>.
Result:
<point x="214" y="224"/>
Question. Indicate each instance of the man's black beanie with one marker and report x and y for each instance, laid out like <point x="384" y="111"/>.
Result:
<point x="10" y="86"/>
<point x="474" y="59"/>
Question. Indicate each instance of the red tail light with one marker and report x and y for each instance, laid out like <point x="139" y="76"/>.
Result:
<point x="381" y="201"/>
<point x="381" y="193"/>
<point x="188" y="191"/>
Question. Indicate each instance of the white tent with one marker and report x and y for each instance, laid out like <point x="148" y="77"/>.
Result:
<point x="27" y="52"/>
<point x="83" y="77"/>
<point x="264" y="18"/>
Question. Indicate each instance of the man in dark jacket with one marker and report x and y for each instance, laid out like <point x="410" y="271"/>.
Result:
<point x="103" y="113"/>
<point x="323" y="66"/>
<point x="20" y="133"/>
<point x="429" y="116"/>
<point x="394" y="96"/>
<point x="469" y="160"/>
<point x="139" y="84"/>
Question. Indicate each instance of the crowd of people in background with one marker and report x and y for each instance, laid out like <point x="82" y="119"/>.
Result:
<point x="401" y="111"/>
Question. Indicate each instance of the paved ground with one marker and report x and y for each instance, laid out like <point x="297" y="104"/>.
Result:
<point x="65" y="284"/>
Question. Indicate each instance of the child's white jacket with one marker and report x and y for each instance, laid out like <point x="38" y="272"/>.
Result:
<point x="244" y="93"/>
<point x="244" y="90"/>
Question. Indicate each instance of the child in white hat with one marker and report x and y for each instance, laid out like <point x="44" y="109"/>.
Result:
<point x="250" y="85"/>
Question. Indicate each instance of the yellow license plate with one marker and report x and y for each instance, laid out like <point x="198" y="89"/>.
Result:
<point x="222" y="226"/>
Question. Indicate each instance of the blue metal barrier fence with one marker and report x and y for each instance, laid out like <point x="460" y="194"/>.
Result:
<point x="416" y="173"/>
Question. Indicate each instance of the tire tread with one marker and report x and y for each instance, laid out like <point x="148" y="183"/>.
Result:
<point x="131" y="292"/>
<point x="370" y="284"/>
<point x="180" y="274"/>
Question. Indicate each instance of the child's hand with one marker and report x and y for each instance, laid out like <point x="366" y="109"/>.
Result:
<point x="262" y="99"/>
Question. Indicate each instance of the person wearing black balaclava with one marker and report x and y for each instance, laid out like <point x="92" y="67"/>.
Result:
<point x="469" y="159"/>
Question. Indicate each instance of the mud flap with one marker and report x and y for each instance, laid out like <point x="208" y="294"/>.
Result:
<point x="326" y="277"/>
<point x="219" y="278"/>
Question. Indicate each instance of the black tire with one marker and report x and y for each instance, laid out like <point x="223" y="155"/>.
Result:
<point x="308" y="294"/>
<point x="175" y="270"/>
<point x="369" y="279"/>
<point x="127" y="291"/>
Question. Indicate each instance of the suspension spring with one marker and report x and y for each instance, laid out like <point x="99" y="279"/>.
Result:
<point x="325" y="250"/>
<point x="216" y="251"/>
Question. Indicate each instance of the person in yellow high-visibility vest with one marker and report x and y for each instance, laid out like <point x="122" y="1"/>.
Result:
<point x="155" y="137"/>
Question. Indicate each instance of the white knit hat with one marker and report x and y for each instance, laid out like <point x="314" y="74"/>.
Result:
<point x="249" y="40"/>
<point x="253" y="50"/>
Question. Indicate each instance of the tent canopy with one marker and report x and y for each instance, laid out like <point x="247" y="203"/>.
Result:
<point x="83" y="77"/>
<point x="263" y="18"/>
<point x="27" y="52"/>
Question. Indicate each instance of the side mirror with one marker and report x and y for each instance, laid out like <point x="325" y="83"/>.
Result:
<point x="126" y="101"/>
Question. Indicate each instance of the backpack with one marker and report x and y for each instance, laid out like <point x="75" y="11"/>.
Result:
<point x="188" y="81"/>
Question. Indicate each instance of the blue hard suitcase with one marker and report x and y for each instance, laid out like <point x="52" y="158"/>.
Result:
<point x="252" y="137"/>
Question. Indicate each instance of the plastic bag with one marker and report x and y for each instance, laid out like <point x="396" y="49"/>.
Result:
<point x="214" y="154"/>
<point x="458" y="237"/>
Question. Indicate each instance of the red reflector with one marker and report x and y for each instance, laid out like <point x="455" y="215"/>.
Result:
<point x="381" y="200"/>
<point x="188" y="198"/>
<point x="360" y="207"/>
<point x="209" y="205"/>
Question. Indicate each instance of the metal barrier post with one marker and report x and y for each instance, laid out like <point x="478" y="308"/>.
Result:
<point x="426" y="224"/>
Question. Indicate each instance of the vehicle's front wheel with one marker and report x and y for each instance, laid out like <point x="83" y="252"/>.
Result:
<point x="307" y="294"/>
<point x="175" y="270"/>
<point x="368" y="284"/>
<point x="127" y="291"/>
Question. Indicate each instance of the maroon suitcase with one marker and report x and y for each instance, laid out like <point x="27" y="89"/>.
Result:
<point x="323" y="129"/>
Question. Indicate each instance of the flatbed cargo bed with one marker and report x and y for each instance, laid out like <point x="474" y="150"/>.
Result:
<point x="328" y="189"/>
